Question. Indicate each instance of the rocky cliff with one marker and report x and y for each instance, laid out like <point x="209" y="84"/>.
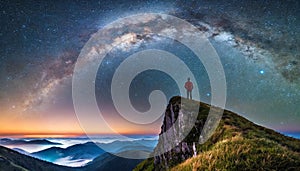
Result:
<point x="181" y="116"/>
<point x="237" y="143"/>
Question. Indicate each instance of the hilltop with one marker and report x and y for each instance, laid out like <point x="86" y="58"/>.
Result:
<point x="237" y="144"/>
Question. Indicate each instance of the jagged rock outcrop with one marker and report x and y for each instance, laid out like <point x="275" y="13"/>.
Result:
<point x="180" y="132"/>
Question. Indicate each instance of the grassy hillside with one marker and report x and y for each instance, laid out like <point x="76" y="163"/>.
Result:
<point x="12" y="160"/>
<point x="237" y="144"/>
<point x="240" y="153"/>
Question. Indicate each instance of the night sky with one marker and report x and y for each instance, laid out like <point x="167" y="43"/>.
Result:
<point x="257" y="42"/>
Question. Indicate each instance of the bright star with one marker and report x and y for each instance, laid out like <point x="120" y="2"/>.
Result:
<point x="261" y="71"/>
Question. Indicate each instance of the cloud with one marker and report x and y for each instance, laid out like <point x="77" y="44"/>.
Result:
<point x="68" y="161"/>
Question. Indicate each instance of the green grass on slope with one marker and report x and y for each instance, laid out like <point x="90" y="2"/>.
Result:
<point x="239" y="153"/>
<point x="146" y="165"/>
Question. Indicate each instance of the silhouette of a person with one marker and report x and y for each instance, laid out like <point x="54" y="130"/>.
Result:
<point x="189" y="87"/>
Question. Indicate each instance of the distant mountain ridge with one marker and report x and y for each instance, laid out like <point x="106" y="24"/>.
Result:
<point x="18" y="159"/>
<point x="13" y="160"/>
<point x="236" y="144"/>
<point x="90" y="150"/>
<point x="79" y="151"/>
<point x="7" y="141"/>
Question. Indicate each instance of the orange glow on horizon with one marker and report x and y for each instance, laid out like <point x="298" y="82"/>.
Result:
<point x="64" y="125"/>
<point x="19" y="135"/>
<point x="59" y="135"/>
<point x="75" y="134"/>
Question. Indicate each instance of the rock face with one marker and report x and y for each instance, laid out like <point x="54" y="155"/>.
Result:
<point x="186" y="142"/>
<point x="180" y="132"/>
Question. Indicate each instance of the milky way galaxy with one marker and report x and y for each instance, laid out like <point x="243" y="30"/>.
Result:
<point x="257" y="42"/>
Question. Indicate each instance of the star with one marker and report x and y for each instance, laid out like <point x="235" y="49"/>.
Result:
<point x="261" y="71"/>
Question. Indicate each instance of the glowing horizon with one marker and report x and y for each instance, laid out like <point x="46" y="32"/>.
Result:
<point x="67" y="125"/>
<point x="62" y="126"/>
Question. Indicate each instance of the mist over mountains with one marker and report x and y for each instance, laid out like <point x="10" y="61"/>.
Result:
<point x="76" y="152"/>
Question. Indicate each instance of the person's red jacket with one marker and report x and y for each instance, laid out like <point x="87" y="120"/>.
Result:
<point x="189" y="85"/>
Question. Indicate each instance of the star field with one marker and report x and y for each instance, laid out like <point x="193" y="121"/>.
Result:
<point x="40" y="43"/>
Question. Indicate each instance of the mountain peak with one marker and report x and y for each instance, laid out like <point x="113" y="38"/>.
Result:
<point x="236" y="140"/>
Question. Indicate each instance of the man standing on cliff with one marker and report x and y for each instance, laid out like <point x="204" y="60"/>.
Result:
<point x="189" y="87"/>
